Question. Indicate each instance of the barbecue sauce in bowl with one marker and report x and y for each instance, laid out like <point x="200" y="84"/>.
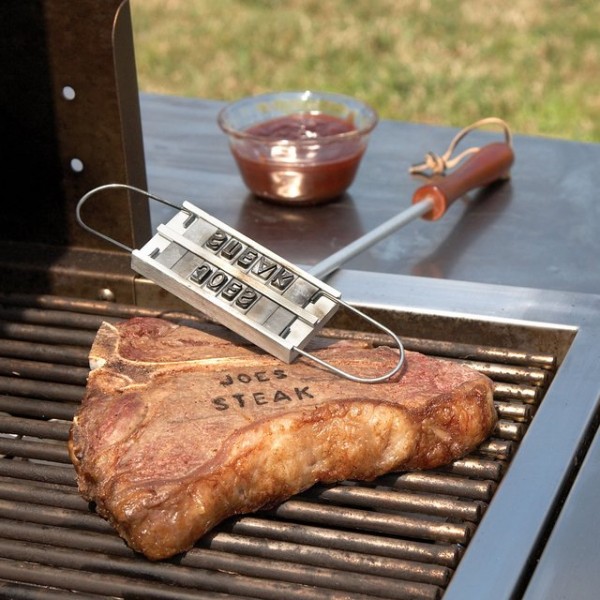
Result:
<point x="301" y="158"/>
<point x="303" y="126"/>
<point x="298" y="148"/>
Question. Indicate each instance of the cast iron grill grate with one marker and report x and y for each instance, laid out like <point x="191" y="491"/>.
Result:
<point x="400" y="536"/>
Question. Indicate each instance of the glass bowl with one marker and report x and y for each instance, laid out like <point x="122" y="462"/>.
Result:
<point x="298" y="147"/>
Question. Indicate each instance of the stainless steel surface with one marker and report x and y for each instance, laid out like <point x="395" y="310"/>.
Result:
<point x="348" y="540"/>
<point x="502" y="555"/>
<point x="568" y="566"/>
<point x="538" y="230"/>
<point x="330" y="264"/>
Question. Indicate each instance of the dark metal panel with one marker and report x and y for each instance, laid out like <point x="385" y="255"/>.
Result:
<point x="69" y="121"/>
<point x="90" y="50"/>
<point x="70" y="92"/>
<point x="69" y="271"/>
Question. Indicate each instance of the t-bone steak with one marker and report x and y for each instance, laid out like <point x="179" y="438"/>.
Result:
<point x="182" y="427"/>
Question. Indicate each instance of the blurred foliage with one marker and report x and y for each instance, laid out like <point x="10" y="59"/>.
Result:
<point x="534" y="63"/>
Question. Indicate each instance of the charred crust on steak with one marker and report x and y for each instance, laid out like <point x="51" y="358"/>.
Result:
<point x="164" y="463"/>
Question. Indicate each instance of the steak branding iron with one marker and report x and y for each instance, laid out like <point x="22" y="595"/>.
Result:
<point x="267" y="299"/>
<point x="239" y="283"/>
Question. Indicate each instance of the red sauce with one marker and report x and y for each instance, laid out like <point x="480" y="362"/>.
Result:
<point x="301" y="126"/>
<point x="308" y="173"/>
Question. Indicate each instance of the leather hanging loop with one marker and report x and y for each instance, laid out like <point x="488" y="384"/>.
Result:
<point x="435" y="164"/>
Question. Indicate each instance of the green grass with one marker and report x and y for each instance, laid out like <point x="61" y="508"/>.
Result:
<point x="534" y="63"/>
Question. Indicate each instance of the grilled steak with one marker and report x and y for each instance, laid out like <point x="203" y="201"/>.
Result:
<point x="180" y="428"/>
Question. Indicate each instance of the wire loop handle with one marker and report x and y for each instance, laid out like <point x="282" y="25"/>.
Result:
<point x="323" y="363"/>
<point x="112" y="186"/>
<point x="357" y="378"/>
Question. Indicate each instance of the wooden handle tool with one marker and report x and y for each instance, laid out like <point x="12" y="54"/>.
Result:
<point x="489" y="164"/>
<point x="431" y="201"/>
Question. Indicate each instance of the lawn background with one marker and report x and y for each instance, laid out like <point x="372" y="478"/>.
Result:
<point x="534" y="63"/>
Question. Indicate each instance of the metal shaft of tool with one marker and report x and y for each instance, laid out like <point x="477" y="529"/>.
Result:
<point x="337" y="259"/>
<point x="488" y="164"/>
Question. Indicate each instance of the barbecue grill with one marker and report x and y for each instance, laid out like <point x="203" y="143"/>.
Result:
<point x="501" y="523"/>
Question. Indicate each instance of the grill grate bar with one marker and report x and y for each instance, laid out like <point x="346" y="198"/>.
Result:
<point x="442" y="554"/>
<point x="46" y="390"/>
<point x="72" y="320"/>
<point x="197" y="567"/>
<point x="486" y="353"/>
<point x="54" y="430"/>
<point x="44" y="371"/>
<point x="390" y="524"/>
<point x="478" y="468"/>
<point x="40" y="409"/>
<point x="497" y="448"/>
<point x="30" y="592"/>
<point x="86" y="540"/>
<point x="36" y="450"/>
<point x="515" y="411"/>
<point x="115" y="586"/>
<point x="49" y="303"/>
<point x="509" y="391"/>
<point x="42" y="473"/>
<point x="332" y="559"/>
<point x="439" y="483"/>
<point x="508" y="430"/>
<point x="46" y="335"/>
<point x="47" y="494"/>
<point x="455" y="349"/>
<point x="53" y="515"/>
<point x="349" y="495"/>
<point x="76" y="356"/>
<point x="510" y="373"/>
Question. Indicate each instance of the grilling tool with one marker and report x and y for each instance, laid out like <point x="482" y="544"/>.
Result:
<point x="430" y="201"/>
<point x="262" y="296"/>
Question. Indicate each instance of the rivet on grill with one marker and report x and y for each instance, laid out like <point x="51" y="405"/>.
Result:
<point x="106" y="294"/>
